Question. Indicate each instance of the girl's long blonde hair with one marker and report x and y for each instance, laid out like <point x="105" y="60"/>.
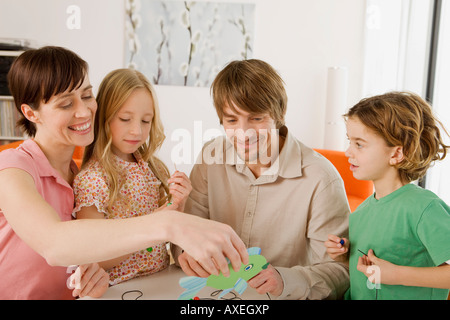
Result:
<point x="114" y="90"/>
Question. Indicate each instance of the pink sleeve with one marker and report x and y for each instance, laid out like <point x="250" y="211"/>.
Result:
<point x="13" y="158"/>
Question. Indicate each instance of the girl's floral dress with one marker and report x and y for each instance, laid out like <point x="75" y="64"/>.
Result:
<point x="139" y="195"/>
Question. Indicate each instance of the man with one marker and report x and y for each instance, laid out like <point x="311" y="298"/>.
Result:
<point x="275" y="192"/>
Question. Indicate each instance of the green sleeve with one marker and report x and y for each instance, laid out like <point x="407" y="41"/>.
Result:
<point x="433" y="230"/>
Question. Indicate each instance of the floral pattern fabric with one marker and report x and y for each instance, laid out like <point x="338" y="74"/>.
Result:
<point x="139" y="195"/>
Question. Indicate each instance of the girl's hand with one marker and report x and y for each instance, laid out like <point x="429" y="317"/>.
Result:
<point x="335" y="249"/>
<point x="179" y="187"/>
<point x="377" y="270"/>
<point x="89" y="280"/>
<point x="167" y="206"/>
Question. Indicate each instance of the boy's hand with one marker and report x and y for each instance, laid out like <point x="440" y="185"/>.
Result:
<point x="386" y="270"/>
<point x="335" y="249"/>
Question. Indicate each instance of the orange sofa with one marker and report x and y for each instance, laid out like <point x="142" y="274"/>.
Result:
<point x="77" y="155"/>
<point x="357" y="190"/>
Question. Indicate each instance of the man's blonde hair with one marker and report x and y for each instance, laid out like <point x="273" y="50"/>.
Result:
<point x="253" y="86"/>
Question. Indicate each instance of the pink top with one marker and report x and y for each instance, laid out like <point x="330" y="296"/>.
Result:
<point x="24" y="274"/>
<point x="139" y="195"/>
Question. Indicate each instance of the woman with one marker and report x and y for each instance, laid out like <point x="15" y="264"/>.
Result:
<point x="51" y="88"/>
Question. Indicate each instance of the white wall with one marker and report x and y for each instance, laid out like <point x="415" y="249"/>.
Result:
<point x="396" y="46"/>
<point x="299" y="38"/>
<point x="98" y="41"/>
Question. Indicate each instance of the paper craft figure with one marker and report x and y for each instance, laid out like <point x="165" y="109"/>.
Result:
<point x="236" y="280"/>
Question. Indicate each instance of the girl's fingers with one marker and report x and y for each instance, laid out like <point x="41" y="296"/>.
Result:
<point x="179" y="177"/>
<point x="178" y="188"/>
<point x="179" y="195"/>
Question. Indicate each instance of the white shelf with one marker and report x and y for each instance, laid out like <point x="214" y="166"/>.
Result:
<point x="8" y="100"/>
<point x="12" y="138"/>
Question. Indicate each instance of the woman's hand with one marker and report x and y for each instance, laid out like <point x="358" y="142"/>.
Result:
<point x="207" y="242"/>
<point x="191" y="267"/>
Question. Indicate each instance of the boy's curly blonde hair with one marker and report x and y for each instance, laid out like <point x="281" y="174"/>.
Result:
<point x="404" y="119"/>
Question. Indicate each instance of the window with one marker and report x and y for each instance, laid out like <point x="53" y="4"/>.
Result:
<point x="438" y="177"/>
<point x="397" y="57"/>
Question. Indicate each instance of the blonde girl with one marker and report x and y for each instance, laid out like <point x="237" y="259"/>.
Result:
<point x="121" y="176"/>
<point x="399" y="244"/>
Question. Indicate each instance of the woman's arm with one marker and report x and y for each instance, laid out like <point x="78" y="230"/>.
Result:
<point x="92" y="213"/>
<point x="71" y="242"/>
<point x="67" y="243"/>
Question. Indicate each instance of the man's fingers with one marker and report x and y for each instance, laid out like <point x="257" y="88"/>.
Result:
<point x="257" y="280"/>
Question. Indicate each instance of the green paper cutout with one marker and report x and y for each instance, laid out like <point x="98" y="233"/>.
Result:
<point x="236" y="280"/>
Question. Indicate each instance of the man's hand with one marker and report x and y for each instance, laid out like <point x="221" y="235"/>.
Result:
<point x="267" y="281"/>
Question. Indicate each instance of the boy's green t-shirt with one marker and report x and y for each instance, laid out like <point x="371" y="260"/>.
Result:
<point x="409" y="227"/>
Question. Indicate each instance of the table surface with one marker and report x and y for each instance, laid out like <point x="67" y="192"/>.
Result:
<point x="164" y="285"/>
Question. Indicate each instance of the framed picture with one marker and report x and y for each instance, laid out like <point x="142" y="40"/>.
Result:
<point x="186" y="43"/>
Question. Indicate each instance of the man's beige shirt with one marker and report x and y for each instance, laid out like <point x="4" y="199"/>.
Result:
<point x="288" y="212"/>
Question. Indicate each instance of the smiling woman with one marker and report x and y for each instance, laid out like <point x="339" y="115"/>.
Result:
<point x="71" y="114"/>
<point x="58" y="108"/>
<point x="42" y="86"/>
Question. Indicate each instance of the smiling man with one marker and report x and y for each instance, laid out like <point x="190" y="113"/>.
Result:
<point x="277" y="193"/>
